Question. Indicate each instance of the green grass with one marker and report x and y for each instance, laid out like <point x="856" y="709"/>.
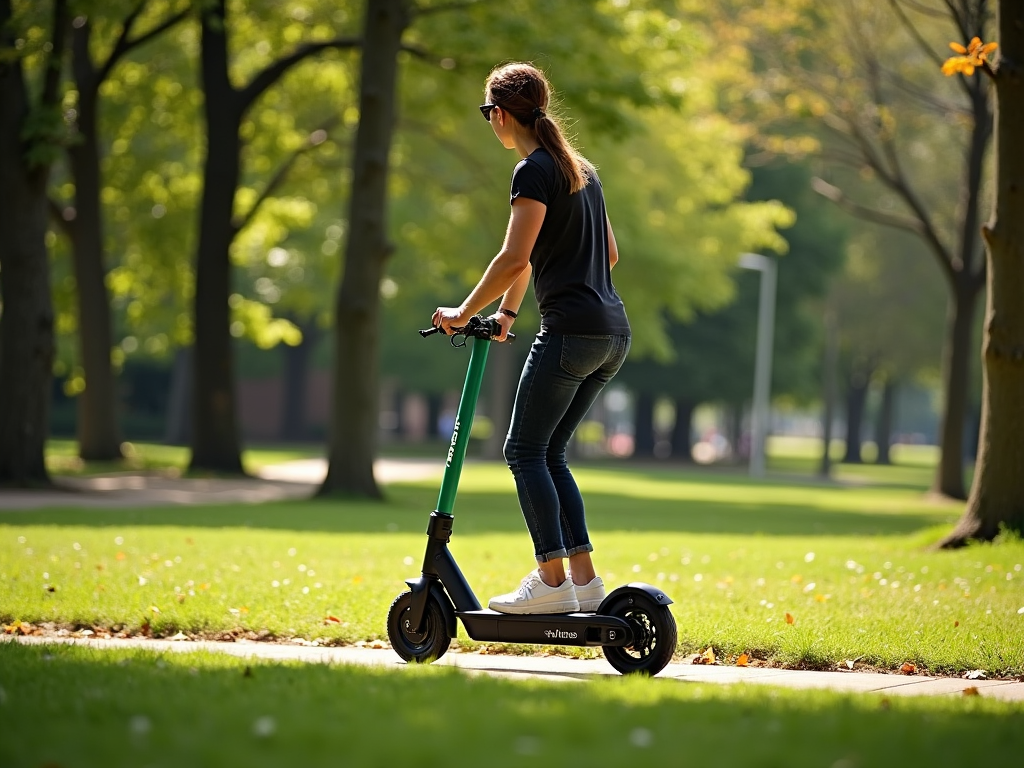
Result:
<point x="75" y="706"/>
<point x="62" y="458"/>
<point x="849" y="563"/>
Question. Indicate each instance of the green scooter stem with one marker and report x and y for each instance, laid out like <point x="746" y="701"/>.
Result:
<point x="463" y="426"/>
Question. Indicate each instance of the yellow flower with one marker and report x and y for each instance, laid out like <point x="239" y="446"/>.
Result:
<point x="973" y="56"/>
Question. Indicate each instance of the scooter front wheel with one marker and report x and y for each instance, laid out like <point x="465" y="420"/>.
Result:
<point x="654" y="635"/>
<point x="427" y="645"/>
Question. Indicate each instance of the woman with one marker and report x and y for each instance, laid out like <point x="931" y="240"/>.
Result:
<point x="559" y="233"/>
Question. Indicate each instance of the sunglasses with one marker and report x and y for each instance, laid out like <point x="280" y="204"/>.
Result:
<point x="485" y="110"/>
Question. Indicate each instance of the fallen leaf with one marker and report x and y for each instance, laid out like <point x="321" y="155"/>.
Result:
<point x="972" y="691"/>
<point x="956" y="623"/>
<point x="789" y="618"/>
<point x="332" y="620"/>
<point x="908" y="668"/>
<point x="743" y="660"/>
<point x="708" y="657"/>
<point x="25" y="629"/>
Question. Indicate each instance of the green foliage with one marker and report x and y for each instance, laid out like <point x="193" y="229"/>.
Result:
<point x="714" y="353"/>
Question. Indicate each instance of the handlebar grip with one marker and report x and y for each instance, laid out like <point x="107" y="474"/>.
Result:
<point x="429" y="332"/>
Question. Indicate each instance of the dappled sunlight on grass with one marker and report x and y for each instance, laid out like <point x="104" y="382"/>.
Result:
<point x="79" y="706"/>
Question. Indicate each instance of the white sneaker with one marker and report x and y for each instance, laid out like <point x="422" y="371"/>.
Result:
<point x="534" y="596"/>
<point x="590" y="595"/>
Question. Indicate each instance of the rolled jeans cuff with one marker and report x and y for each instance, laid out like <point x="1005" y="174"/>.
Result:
<point x="588" y="547"/>
<point x="557" y="554"/>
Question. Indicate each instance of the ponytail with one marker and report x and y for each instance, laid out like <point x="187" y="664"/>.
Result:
<point x="524" y="92"/>
<point x="574" y="167"/>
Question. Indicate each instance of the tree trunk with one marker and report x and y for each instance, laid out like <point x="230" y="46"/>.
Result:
<point x="179" y="403"/>
<point x="26" y="322"/>
<point x="829" y="393"/>
<point x="643" y="426"/>
<point x="856" y="399"/>
<point x="883" y="428"/>
<point x="98" y="434"/>
<point x="682" y="444"/>
<point x="354" y="417"/>
<point x="296" y="383"/>
<point x="215" y="440"/>
<point x="949" y="478"/>
<point x="997" y="495"/>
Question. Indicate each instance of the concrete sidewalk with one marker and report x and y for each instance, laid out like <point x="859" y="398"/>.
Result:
<point x="559" y="668"/>
<point x="279" y="482"/>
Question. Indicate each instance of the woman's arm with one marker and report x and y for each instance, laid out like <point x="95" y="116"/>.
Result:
<point x="512" y="299"/>
<point x="613" y="248"/>
<point x="505" y="269"/>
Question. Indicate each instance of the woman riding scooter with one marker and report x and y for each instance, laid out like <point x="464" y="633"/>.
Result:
<point x="559" y="233"/>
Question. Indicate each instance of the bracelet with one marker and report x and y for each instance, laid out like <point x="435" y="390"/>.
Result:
<point x="509" y="312"/>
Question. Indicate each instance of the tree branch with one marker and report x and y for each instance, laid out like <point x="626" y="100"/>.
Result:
<point x="958" y="20"/>
<point x="927" y="99"/>
<point x="273" y="72"/>
<point x="908" y="25"/>
<point x="124" y="45"/>
<point x="315" y="139"/>
<point x="924" y="10"/>
<point x="908" y="223"/>
<point x="54" y="64"/>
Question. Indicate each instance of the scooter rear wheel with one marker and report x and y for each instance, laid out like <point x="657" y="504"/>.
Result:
<point x="427" y="645"/>
<point x="654" y="635"/>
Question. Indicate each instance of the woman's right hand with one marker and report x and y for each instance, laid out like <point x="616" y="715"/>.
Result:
<point x="505" y="322"/>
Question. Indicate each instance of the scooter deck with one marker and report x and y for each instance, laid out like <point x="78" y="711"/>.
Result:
<point x="546" y="628"/>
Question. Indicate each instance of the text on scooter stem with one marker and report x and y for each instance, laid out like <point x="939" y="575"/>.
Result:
<point x="455" y="439"/>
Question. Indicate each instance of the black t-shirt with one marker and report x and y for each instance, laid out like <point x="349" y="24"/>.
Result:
<point x="571" y="274"/>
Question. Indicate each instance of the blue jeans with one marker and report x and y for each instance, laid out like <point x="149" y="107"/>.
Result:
<point x="562" y="378"/>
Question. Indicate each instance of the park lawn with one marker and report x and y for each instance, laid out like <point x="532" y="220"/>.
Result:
<point x="794" y="573"/>
<point x="65" y="705"/>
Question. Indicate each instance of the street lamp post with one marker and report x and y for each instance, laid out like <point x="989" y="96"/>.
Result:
<point x="763" y="361"/>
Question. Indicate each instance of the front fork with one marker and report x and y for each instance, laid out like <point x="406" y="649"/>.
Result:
<point x="439" y="572"/>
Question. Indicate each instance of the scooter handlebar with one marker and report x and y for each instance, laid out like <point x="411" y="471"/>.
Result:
<point x="478" y="327"/>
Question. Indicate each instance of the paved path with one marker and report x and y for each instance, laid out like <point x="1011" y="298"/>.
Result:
<point x="559" y="668"/>
<point x="291" y="480"/>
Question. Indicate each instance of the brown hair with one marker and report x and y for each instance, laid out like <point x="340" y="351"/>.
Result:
<point x="523" y="92"/>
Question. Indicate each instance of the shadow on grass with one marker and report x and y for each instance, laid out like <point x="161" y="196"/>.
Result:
<point x="408" y="506"/>
<point x="75" y="706"/>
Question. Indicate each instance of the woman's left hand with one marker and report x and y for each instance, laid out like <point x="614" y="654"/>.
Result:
<point x="447" y="318"/>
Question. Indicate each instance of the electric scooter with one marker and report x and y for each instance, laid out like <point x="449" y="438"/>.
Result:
<point x="633" y="625"/>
